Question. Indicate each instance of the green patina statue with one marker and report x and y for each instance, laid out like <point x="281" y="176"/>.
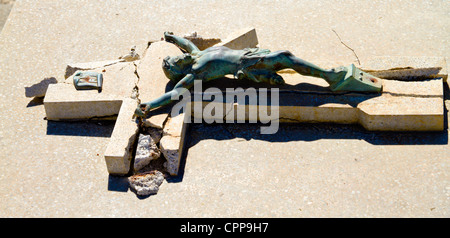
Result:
<point x="255" y="64"/>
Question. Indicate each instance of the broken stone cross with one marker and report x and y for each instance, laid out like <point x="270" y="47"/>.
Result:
<point x="127" y="82"/>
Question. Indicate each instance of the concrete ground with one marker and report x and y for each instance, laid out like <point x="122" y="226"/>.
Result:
<point x="5" y="8"/>
<point x="57" y="169"/>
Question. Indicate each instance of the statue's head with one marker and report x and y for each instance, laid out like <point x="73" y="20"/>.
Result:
<point x="176" y="67"/>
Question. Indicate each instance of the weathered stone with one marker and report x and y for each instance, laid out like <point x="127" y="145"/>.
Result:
<point x="64" y="102"/>
<point x="152" y="81"/>
<point x="146" y="183"/>
<point x="244" y="38"/>
<point x="155" y="133"/>
<point x="145" y="152"/>
<point x="118" y="153"/>
<point x="118" y="78"/>
<point x="171" y="143"/>
<point x="39" y="89"/>
<point x="407" y="68"/>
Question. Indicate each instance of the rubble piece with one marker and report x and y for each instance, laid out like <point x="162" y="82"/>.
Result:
<point x="146" y="151"/>
<point x="155" y="133"/>
<point x="244" y="38"/>
<point x="119" y="151"/>
<point x="146" y="183"/>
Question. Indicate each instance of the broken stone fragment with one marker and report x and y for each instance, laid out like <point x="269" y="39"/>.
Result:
<point x="155" y="121"/>
<point x="155" y="133"/>
<point x="169" y="146"/>
<point x="146" y="183"/>
<point x="146" y="151"/>
<point x="170" y="143"/>
<point x="131" y="56"/>
<point x="243" y="38"/>
<point x="118" y="154"/>
<point x="201" y="42"/>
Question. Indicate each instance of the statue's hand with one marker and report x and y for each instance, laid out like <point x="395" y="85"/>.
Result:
<point x="168" y="36"/>
<point x="142" y="110"/>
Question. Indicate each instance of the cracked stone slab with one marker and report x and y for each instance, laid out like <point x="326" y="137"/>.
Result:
<point x="172" y="142"/>
<point x="118" y="154"/>
<point x="153" y="83"/>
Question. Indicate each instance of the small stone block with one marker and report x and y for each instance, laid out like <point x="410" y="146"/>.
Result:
<point x="118" y="154"/>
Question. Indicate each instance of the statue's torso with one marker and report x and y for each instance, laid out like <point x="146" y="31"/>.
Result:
<point x="216" y="62"/>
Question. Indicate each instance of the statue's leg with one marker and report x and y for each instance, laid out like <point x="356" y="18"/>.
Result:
<point x="284" y="59"/>
<point x="340" y="79"/>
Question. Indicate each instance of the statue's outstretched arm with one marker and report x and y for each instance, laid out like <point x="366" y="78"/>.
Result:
<point x="183" y="43"/>
<point x="180" y="88"/>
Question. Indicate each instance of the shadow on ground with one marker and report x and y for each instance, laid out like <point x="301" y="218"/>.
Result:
<point x="81" y="128"/>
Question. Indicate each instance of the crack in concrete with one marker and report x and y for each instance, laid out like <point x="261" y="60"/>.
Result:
<point x="135" y="92"/>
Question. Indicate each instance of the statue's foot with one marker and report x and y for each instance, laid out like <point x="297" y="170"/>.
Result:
<point x="356" y="80"/>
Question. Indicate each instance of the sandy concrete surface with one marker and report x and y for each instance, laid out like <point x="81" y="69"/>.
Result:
<point x="57" y="169"/>
<point x="5" y="8"/>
